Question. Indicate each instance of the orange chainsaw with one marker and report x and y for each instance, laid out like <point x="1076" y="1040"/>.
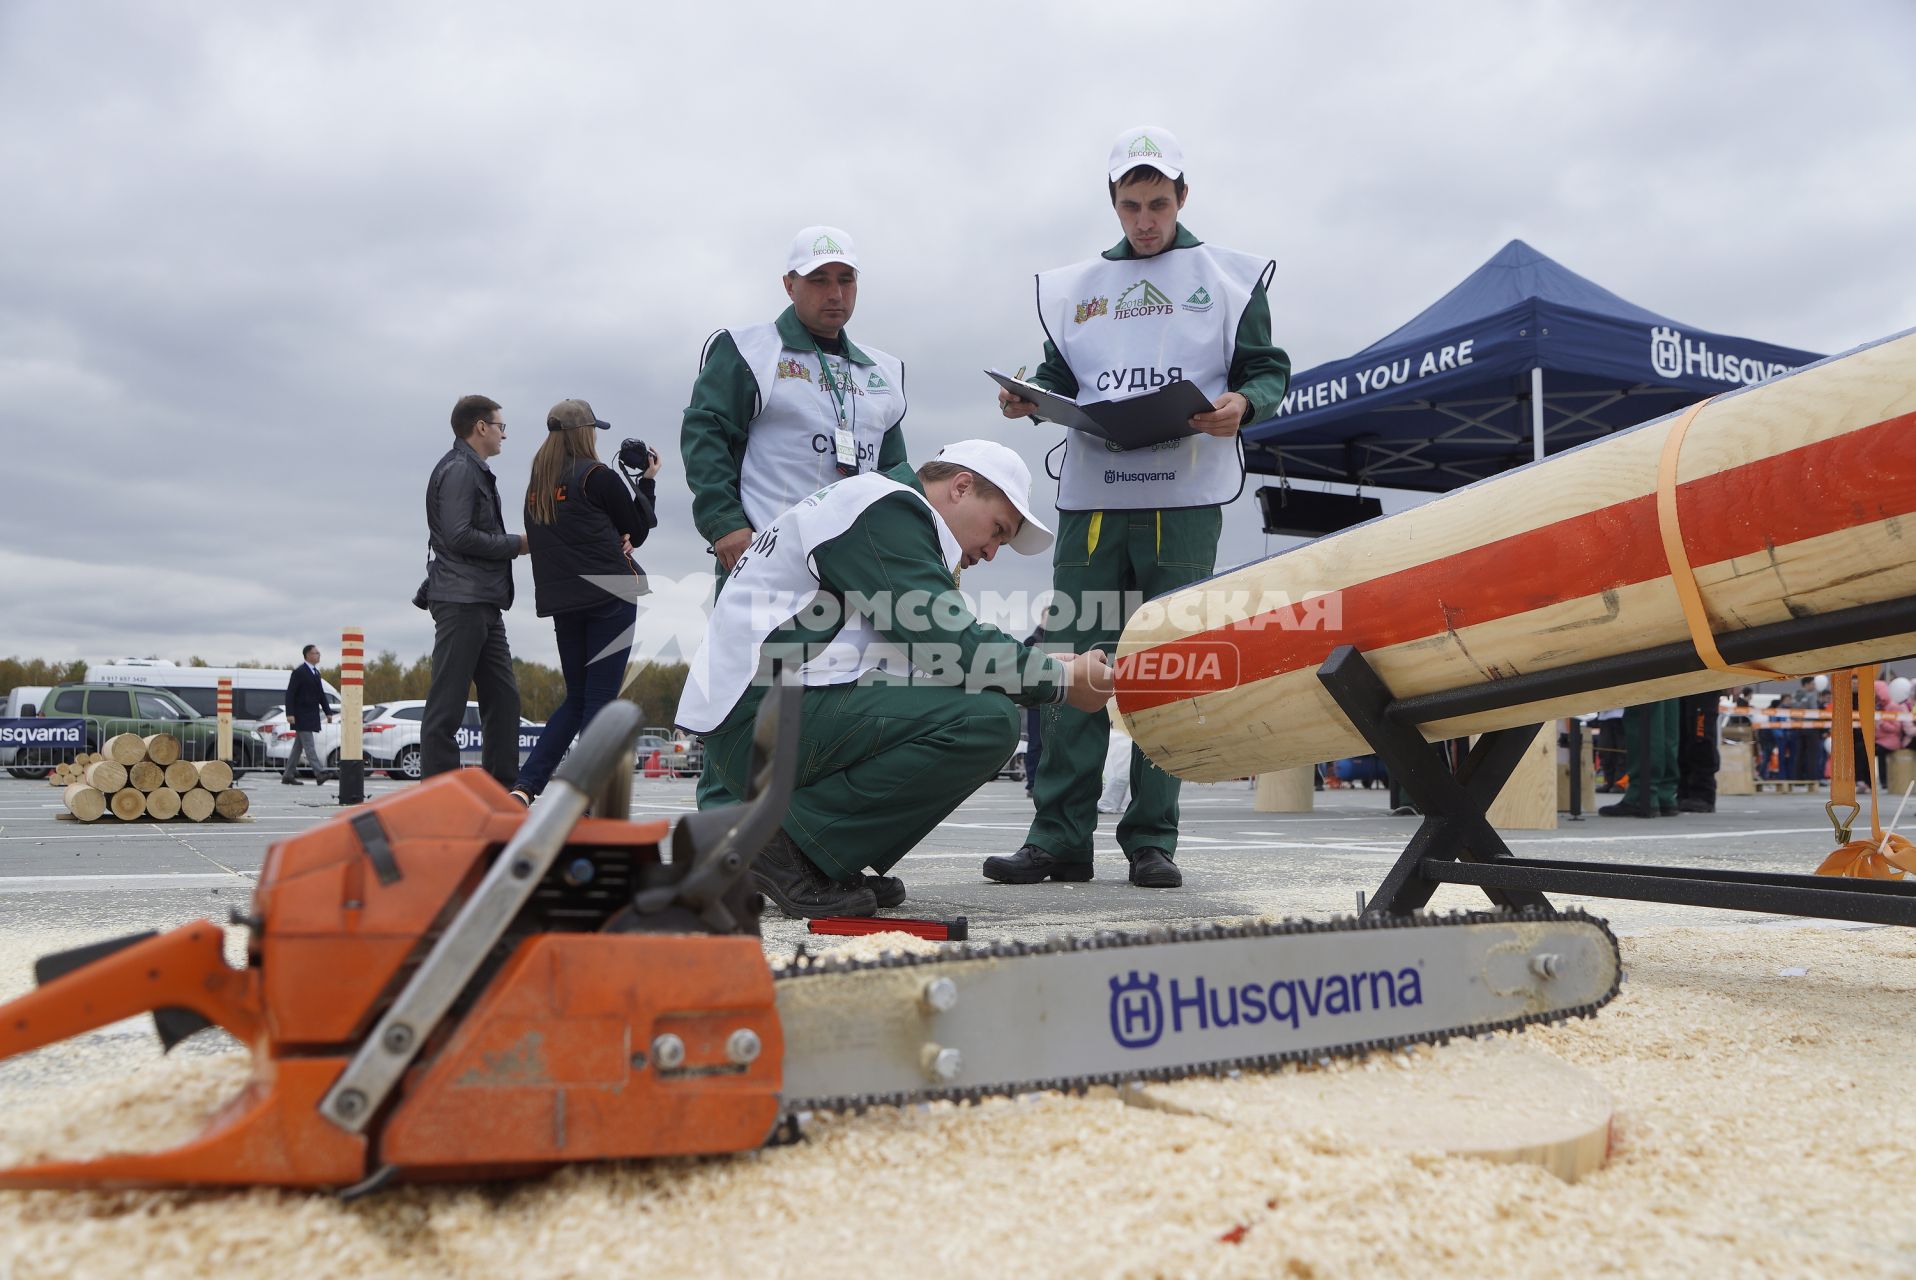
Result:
<point x="442" y="985"/>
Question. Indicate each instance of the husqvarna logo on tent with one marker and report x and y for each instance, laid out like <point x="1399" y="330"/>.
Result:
<point x="1666" y="352"/>
<point x="1674" y="356"/>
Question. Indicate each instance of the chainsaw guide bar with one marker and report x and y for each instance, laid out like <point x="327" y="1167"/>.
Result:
<point x="970" y="1023"/>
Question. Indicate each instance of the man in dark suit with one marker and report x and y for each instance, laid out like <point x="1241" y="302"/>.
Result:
<point x="305" y="708"/>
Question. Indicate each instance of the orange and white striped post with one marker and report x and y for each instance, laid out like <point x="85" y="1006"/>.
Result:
<point x="352" y="702"/>
<point x="224" y="708"/>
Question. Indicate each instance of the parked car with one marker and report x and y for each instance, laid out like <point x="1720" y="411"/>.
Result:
<point x="17" y="702"/>
<point x="683" y="756"/>
<point x="278" y="736"/>
<point x="112" y="709"/>
<point x="1014" y="766"/>
<point x="391" y="739"/>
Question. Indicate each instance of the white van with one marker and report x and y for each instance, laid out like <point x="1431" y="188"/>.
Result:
<point x="257" y="691"/>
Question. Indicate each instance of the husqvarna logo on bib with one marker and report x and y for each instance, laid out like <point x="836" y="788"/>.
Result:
<point x="1137" y="1011"/>
<point x="1666" y="352"/>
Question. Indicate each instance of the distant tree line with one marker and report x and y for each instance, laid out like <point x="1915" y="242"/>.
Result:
<point x="655" y="686"/>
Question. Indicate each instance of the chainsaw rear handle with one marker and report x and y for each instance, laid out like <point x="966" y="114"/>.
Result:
<point x="183" y="969"/>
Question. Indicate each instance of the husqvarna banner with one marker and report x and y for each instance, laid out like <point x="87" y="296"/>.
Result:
<point x="49" y="733"/>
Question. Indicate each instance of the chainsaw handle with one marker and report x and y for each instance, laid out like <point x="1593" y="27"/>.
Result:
<point x="603" y="746"/>
<point x="183" y="969"/>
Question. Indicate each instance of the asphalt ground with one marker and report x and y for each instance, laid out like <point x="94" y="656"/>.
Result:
<point x="63" y="884"/>
<point x="107" y="878"/>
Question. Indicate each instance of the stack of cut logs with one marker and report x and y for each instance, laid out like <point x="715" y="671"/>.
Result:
<point x="134" y="777"/>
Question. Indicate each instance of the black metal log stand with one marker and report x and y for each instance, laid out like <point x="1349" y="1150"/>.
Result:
<point x="1457" y="845"/>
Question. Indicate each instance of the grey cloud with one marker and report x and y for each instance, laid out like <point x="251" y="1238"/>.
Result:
<point x="253" y="254"/>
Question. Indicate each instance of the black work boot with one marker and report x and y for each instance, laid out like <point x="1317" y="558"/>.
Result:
<point x="1152" y="868"/>
<point x="1031" y="864"/>
<point x="1626" y="809"/>
<point x="793" y="881"/>
<point x="888" y="890"/>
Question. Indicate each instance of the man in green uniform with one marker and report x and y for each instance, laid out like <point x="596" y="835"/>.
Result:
<point x="909" y="699"/>
<point x="1158" y="306"/>
<point x="1651" y="735"/>
<point x="784" y="408"/>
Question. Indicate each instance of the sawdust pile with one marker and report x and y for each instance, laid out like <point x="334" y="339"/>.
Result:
<point x="1764" y="1128"/>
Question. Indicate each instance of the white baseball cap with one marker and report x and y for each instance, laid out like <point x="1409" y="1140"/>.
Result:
<point x="813" y="247"/>
<point x="1004" y="468"/>
<point x="1148" y="145"/>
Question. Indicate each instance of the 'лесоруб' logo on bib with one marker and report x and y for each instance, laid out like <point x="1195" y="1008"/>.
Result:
<point x="1091" y="309"/>
<point x="1198" y="301"/>
<point x="1143" y="299"/>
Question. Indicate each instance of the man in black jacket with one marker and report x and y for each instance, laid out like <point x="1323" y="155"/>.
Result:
<point x="305" y="708"/>
<point x="469" y="586"/>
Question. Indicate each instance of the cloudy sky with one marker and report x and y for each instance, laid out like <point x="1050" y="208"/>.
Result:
<point x="251" y="253"/>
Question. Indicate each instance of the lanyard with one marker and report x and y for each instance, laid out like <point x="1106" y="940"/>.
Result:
<point x="844" y="446"/>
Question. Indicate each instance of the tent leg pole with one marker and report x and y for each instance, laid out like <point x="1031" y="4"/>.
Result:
<point x="1536" y="413"/>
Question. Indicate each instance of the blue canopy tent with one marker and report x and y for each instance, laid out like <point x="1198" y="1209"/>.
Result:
<point x="1522" y="359"/>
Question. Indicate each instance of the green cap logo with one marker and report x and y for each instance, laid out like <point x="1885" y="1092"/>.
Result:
<point x="1143" y="146"/>
<point x="825" y="244"/>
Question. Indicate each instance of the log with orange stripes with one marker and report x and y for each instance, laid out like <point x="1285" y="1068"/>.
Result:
<point x="1793" y="499"/>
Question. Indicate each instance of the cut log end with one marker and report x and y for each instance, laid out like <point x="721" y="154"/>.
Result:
<point x="230" y="804"/>
<point x="163" y="803"/>
<point x="106" y="775"/>
<point x="127" y="803"/>
<point x="215" y="775"/>
<point x="126" y="748"/>
<point x="84" y="802"/>
<point x="162" y="748"/>
<point x="196" y="805"/>
<point x="146" y="776"/>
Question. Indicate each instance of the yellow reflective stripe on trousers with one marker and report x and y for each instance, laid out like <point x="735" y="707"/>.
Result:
<point x="1091" y="532"/>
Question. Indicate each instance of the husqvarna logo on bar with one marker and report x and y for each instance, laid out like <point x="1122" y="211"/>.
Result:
<point x="1200" y="1004"/>
<point x="1137" y="1011"/>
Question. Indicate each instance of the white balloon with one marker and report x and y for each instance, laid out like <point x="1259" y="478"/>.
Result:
<point x="1899" y="689"/>
<point x="1822" y="684"/>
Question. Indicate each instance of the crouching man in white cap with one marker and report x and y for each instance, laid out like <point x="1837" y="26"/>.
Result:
<point x="911" y="702"/>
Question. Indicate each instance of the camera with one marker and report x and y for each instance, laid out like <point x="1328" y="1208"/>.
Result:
<point x="634" y="456"/>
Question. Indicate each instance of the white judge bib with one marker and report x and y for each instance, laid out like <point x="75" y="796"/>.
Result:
<point x="1132" y="325"/>
<point x="772" y="583"/>
<point x="790" y="449"/>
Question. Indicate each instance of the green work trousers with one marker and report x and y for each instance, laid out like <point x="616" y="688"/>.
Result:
<point x="1650" y="735"/>
<point x="1101" y="558"/>
<point x="879" y="767"/>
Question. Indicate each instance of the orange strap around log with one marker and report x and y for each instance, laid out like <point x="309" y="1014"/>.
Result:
<point x="1682" y="577"/>
<point x="1881" y="857"/>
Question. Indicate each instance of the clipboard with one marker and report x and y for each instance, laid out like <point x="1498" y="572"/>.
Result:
<point x="1134" y="423"/>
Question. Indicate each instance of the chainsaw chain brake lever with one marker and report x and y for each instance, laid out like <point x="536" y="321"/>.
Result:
<point x="716" y="847"/>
